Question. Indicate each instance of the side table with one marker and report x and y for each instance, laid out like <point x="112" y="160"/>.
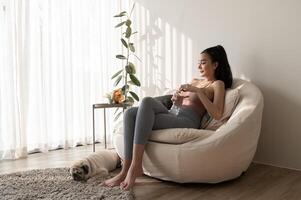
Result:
<point x="104" y="106"/>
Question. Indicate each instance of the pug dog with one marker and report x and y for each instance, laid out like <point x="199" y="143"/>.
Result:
<point x="96" y="163"/>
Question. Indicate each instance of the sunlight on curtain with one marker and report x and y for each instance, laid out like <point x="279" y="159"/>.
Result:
<point x="56" y="57"/>
<point x="13" y="139"/>
<point x="56" y="60"/>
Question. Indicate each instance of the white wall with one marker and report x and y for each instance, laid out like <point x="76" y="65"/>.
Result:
<point x="262" y="39"/>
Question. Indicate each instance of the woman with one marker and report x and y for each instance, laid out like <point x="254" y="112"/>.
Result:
<point x="190" y="102"/>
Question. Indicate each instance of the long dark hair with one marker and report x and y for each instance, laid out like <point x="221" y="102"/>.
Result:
<point x="223" y="70"/>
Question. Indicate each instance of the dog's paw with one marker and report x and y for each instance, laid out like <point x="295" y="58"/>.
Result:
<point x="106" y="173"/>
<point x="103" y="172"/>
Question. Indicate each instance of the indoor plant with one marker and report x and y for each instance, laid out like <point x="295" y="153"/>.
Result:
<point x="126" y="75"/>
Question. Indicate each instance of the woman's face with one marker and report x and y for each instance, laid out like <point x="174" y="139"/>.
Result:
<point x="206" y="66"/>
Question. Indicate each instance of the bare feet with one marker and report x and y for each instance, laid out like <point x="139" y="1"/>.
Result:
<point x="131" y="176"/>
<point x="116" y="180"/>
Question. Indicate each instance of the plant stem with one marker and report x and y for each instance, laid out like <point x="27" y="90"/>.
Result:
<point x="127" y="63"/>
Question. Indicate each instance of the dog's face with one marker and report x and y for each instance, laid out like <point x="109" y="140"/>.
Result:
<point x="79" y="172"/>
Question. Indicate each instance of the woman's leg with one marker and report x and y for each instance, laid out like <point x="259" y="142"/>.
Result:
<point x="138" y="133"/>
<point x="145" y="119"/>
<point x="128" y="134"/>
<point x="151" y="116"/>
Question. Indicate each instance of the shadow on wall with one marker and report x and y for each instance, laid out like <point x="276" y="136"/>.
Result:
<point x="268" y="58"/>
<point x="165" y="53"/>
<point x="197" y="21"/>
<point x="171" y="36"/>
<point x="175" y="12"/>
<point x="153" y="76"/>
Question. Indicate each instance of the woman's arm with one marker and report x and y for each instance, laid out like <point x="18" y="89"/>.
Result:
<point x="215" y="108"/>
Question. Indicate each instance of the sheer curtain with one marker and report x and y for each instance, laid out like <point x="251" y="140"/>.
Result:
<point x="56" y="60"/>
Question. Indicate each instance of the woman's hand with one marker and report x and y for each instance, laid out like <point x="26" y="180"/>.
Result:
<point x="177" y="98"/>
<point x="190" y="88"/>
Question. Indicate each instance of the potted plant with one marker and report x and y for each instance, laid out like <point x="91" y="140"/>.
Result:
<point x="126" y="75"/>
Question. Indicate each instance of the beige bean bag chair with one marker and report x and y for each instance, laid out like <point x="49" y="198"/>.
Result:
<point x="208" y="156"/>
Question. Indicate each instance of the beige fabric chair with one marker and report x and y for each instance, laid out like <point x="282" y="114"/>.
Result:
<point x="192" y="155"/>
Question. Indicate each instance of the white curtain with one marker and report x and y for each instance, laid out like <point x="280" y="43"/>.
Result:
<point x="56" y="60"/>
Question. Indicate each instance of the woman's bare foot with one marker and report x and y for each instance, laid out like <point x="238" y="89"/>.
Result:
<point x="116" y="180"/>
<point x="131" y="176"/>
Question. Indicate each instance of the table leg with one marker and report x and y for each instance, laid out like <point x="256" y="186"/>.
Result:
<point x="105" y="128"/>
<point x="93" y="144"/>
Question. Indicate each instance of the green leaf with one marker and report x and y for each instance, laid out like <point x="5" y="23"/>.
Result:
<point x="121" y="57"/>
<point x="121" y="14"/>
<point x="125" y="88"/>
<point x="117" y="73"/>
<point x="130" y="68"/>
<point x="131" y="82"/>
<point x="130" y="99"/>
<point x="117" y="80"/>
<point x="133" y="67"/>
<point x="131" y="34"/>
<point x="134" y="95"/>
<point x="120" y="24"/>
<point x="124" y="42"/>
<point x="128" y="22"/>
<point x="132" y="48"/>
<point x="135" y="80"/>
<point x="128" y="32"/>
<point x="117" y="116"/>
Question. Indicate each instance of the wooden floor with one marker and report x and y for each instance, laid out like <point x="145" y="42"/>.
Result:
<point x="259" y="182"/>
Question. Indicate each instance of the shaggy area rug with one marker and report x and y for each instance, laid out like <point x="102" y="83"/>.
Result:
<point x="56" y="183"/>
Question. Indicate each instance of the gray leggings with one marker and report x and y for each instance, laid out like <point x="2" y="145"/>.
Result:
<point x="152" y="115"/>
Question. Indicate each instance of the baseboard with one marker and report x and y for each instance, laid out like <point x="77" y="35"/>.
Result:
<point x="263" y="163"/>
